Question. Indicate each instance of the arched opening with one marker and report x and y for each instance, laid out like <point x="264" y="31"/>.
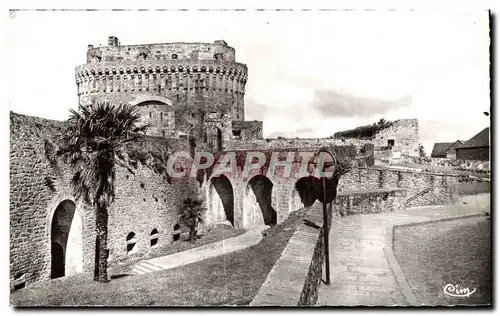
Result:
<point x="19" y="281"/>
<point x="177" y="232"/>
<point x="154" y="237"/>
<point x="258" y="196"/>
<point x="65" y="241"/>
<point x="305" y="188"/>
<point x="222" y="200"/>
<point x="131" y="243"/>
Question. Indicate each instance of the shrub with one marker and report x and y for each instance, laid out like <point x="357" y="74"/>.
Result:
<point x="365" y="131"/>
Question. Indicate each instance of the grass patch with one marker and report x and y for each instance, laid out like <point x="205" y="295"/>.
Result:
<point x="232" y="279"/>
<point x="181" y="245"/>
<point x="454" y="252"/>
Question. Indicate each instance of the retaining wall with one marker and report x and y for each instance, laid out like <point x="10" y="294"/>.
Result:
<point x="295" y="278"/>
<point x="370" y="201"/>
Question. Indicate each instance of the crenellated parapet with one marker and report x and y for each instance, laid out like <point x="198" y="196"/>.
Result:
<point x="157" y="75"/>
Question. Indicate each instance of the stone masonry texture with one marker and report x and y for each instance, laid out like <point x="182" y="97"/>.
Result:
<point x="295" y="278"/>
<point x="403" y="132"/>
<point x="144" y="201"/>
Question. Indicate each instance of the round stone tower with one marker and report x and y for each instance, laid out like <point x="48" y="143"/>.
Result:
<point x="179" y="87"/>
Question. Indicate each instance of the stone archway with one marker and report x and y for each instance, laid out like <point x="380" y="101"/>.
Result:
<point x="222" y="200"/>
<point x="158" y="113"/>
<point x="257" y="203"/>
<point x="303" y="194"/>
<point x="66" y="240"/>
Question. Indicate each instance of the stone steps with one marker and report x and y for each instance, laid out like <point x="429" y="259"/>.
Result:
<point x="144" y="267"/>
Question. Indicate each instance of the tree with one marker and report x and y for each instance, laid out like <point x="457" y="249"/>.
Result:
<point x="191" y="214"/>
<point x="421" y="150"/>
<point x="93" y="144"/>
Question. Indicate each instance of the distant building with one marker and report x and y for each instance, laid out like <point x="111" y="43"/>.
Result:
<point x="446" y="150"/>
<point x="476" y="148"/>
<point x="401" y="136"/>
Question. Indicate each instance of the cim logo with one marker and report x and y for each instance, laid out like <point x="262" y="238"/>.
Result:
<point x="458" y="291"/>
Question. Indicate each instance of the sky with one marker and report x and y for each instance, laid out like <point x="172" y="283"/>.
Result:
<point x="311" y="74"/>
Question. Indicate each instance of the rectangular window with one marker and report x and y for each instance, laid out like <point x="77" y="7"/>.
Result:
<point x="163" y="132"/>
<point x="150" y="114"/>
<point x="390" y="142"/>
<point x="161" y="115"/>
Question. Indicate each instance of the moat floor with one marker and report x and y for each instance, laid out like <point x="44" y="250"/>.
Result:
<point x="360" y="246"/>
<point x="456" y="252"/>
<point x="230" y="279"/>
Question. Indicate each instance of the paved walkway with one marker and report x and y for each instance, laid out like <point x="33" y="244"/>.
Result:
<point x="359" y="269"/>
<point x="249" y="238"/>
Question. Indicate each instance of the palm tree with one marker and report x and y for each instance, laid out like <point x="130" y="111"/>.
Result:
<point x="93" y="144"/>
<point x="191" y="214"/>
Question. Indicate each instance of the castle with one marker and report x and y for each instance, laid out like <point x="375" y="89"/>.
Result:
<point x="181" y="90"/>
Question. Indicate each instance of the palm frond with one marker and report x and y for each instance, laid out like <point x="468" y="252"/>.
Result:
<point x="91" y="143"/>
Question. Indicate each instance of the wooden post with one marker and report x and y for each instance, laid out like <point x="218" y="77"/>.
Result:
<point x="326" y="234"/>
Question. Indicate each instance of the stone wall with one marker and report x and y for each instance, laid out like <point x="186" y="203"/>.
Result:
<point x="370" y="201"/>
<point x="247" y="130"/>
<point x="383" y="155"/>
<point x="160" y="118"/>
<point x="309" y="294"/>
<point x="473" y="165"/>
<point x="145" y="200"/>
<point x="37" y="187"/>
<point x="440" y="185"/>
<point x="364" y="151"/>
<point x="296" y="275"/>
<point x="404" y="133"/>
<point x="163" y="51"/>
<point x="280" y="143"/>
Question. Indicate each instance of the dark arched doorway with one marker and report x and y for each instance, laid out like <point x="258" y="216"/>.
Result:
<point x="62" y="221"/>
<point x="305" y="188"/>
<point x="262" y="187"/>
<point x="57" y="262"/>
<point x="224" y="191"/>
